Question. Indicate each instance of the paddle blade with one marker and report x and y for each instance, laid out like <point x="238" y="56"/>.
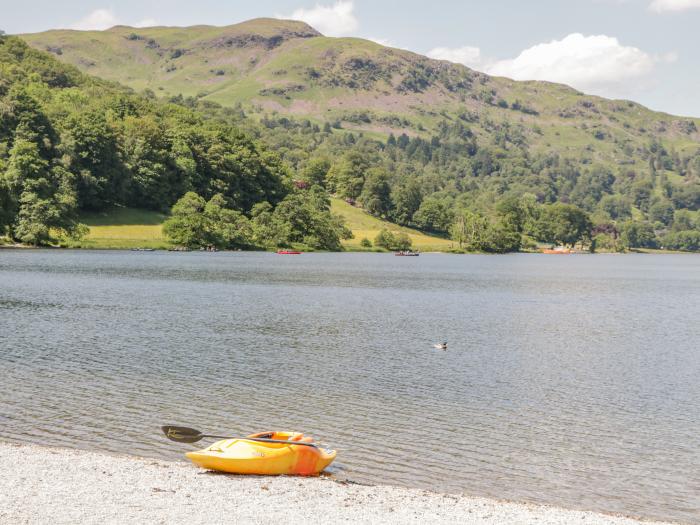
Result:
<point x="182" y="434"/>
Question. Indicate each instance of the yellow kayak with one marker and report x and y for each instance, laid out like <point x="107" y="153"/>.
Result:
<point x="242" y="456"/>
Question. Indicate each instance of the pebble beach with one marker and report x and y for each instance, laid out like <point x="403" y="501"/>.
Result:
<point x="62" y="486"/>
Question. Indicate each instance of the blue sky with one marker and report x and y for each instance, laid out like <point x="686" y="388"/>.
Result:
<point x="644" y="50"/>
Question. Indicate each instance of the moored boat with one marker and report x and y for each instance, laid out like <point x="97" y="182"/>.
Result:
<point x="557" y="251"/>
<point x="288" y="252"/>
<point x="244" y="456"/>
<point x="407" y="254"/>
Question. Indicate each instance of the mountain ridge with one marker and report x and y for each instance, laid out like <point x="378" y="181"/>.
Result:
<point x="271" y="66"/>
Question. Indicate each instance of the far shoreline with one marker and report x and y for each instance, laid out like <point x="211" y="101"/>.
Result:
<point x="635" y="251"/>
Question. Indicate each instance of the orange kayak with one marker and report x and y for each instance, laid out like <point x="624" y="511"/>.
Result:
<point x="242" y="456"/>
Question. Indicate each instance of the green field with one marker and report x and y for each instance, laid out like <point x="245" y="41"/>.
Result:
<point x="363" y="225"/>
<point x="126" y="228"/>
<point x="122" y="228"/>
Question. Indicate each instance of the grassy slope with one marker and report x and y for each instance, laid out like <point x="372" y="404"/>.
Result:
<point x="238" y="64"/>
<point x="122" y="228"/>
<point x="363" y="225"/>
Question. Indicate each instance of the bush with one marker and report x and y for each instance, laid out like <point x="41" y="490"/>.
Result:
<point x="638" y="235"/>
<point x="366" y="243"/>
<point x="385" y="239"/>
<point x="393" y="241"/>
<point x="687" y="241"/>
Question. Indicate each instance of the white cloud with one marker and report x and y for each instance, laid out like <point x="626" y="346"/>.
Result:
<point x="467" y="55"/>
<point x="663" y="6"/>
<point x="332" y="20"/>
<point x="146" y="22"/>
<point x="596" y="64"/>
<point x="98" y="20"/>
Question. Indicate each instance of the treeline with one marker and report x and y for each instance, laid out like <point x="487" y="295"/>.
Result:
<point x="302" y="218"/>
<point x="429" y="183"/>
<point x="70" y="143"/>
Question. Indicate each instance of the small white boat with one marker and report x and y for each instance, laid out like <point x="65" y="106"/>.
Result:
<point x="441" y="346"/>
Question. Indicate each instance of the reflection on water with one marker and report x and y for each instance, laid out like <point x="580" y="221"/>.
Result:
<point x="568" y="380"/>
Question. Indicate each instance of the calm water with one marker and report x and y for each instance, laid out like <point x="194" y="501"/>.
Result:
<point x="568" y="380"/>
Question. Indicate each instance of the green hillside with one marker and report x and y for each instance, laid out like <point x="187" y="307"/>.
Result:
<point x="424" y="144"/>
<point x="365" y="226"/>
<point x="287" y="67"/>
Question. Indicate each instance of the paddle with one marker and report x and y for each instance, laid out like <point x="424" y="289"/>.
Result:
<point x="190" y="435"/>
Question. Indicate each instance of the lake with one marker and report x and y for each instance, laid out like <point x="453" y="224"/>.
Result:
<point x="569" y="380"/>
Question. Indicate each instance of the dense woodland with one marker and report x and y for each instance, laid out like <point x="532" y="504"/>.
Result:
<point x="493" y="196"/>
<point x="71" y="143"/>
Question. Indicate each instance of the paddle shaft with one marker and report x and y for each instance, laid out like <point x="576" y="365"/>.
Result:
<point x="263" y="440"/>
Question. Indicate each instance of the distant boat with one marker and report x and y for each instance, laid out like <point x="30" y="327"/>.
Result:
<point x="441" y="346"/>
<point x="407" y="254"/>
<point x="288" y="252"/>
<point x="559" y="250"/>
<point x="143" y="249"/>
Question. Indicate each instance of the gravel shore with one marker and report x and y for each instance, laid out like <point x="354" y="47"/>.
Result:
<point x="57" y="486"/>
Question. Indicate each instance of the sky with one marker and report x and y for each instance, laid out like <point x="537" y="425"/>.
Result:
<point x="643" y="50"/>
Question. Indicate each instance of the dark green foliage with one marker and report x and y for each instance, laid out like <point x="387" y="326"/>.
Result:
<point x="69" y="143"/>
<point x="376" y="193"/>
<point x="562" y="224"/>
<point x="304" y="217"/>
<point x="688" y="240"/>
<point x="393" y="241"/>
<point x="195" y="223"/>
<point x="434" y="215"/>
<point x="636" y="234"/>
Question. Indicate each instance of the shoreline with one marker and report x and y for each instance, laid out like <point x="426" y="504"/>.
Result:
<point x="636" y="251"/>
<point x="60" y="485"/>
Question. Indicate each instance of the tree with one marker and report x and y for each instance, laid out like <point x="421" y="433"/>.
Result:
<point x="406" y="200"/>
<point x="564" y="224"/>
<point x="502" y="236"/>
<point x="616" y="207"/>
<point x="683" y="240"/>
<point x="434" y="215"/>
<point x="376" y="193"/>
<point x="661" y="211"/>
<point x="268" y="230"/>
<point x="385" y="239"/>
<point x="388" y="240"/>
<point x="228" y="228"/>
<point x="188" y="225"/>
<point x="402" y="242"/>
<point x="196" y="223"/>
<point x="347" y="176"/>
<point x="316" y="170"/>
<point x="636" y="234"/>
<point x="304" y="217"/>
<point x="469" y="230"/>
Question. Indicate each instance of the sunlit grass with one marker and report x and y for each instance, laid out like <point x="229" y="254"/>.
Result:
<point x="123" y="228"/>
<point x="365" y="226"/>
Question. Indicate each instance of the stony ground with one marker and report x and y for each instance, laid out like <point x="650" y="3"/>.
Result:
<point x="59" y="486"/>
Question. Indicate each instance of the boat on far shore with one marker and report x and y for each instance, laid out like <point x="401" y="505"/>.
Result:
<point x="559" y="250"/>
<point x="288" y="252"/>
<point x="407" y="253"/>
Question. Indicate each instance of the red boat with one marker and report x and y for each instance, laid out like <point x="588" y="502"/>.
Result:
<point x="288" y="252"/>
